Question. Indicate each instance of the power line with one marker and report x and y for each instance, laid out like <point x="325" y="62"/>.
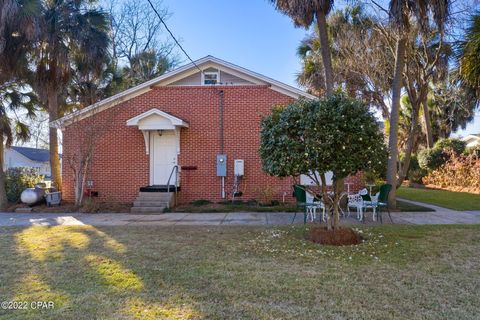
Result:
<point x="171" y="34"/>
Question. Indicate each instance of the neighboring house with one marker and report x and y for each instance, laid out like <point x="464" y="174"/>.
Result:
<point x="202" y="122"/>
<point x="472" y="140"/>
<point x="38" y="159"/>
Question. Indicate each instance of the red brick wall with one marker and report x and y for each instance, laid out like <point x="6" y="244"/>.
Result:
<point x="120" y="165"/>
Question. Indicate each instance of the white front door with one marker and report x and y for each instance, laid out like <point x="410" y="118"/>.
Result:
<point x="163" y="157"/>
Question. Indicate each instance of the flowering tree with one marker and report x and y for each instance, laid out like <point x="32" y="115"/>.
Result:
<point x="334" y="134"/>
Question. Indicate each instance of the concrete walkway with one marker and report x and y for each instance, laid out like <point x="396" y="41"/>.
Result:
<point x="166" y="219"/>
<point x="440" y="216"/>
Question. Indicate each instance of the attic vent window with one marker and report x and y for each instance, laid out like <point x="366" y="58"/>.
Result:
<point x="210" y="78"/>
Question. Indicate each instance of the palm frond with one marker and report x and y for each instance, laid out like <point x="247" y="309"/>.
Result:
<point x="303" y="12"/>
<point x="22" y="131"/>
<point x="468" y="54"/>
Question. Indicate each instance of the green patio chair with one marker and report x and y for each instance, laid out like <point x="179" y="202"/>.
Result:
<point x="382" y="200"/>
<point x="301" y="197"/>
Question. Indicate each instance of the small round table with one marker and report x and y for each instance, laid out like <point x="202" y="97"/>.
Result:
<point x="370" y="187"/>
<point x="348" y="184"/>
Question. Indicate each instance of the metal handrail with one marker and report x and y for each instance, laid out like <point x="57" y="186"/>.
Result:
<point x="175" y="168"/>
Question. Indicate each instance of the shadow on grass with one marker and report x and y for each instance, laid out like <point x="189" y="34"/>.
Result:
<point x="243" y="273"/>
<point x="86" y="273"/>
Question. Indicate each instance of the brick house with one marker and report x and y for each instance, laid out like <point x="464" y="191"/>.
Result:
<point x="206" y="124"/>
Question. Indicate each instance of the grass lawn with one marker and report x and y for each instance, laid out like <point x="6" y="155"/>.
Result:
<point x="447" y="199"/>
<point x="402" y="272"/>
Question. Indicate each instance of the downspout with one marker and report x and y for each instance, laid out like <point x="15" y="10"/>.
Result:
<point x="222" y="138"/>
<point x="222" y="141"/>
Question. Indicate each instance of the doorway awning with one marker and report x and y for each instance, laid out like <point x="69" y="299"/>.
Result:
<point x="156" y="120"/>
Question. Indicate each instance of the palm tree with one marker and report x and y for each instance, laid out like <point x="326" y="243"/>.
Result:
<point x="147" y="65"/>
<point x="401" y="14"/>
<point x="469" y="55"/>
<point x="366" y="77"/>
<point x="18" y="31"/>
<point x="70" y="29"/>
<point x="15" y="98"/>
<point x="304" y="13"/>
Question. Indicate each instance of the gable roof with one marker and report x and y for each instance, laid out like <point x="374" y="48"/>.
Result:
<point x="471" y="137"/>
<point x="40" y="155"/>
<point x="175" y="75"/>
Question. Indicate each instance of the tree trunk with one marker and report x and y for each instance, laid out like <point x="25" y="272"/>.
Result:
<point x="54" y="157"/>
<point x="325" y="51"/>
<point x="3" y="192"/>
<point x="336" y="202"/>
<point x="409" y="145"/>
<point x="428" y="123"/>
<point x="325" y="199"/>
<point x="393" y="135"/>
<point x="80" y="180"/>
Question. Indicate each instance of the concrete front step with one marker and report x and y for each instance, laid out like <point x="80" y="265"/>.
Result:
<point x="146" y="210"/>
<point x="155" y="195"/>
<point x="152" y="202"/>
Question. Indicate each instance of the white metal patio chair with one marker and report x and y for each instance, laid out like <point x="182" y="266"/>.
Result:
<point x="356" y="201"/>
<point x="312" y="210"/>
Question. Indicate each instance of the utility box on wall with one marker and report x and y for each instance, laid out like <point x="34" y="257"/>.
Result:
<point x="238" y="167"/>
<point x="221" y="165"/>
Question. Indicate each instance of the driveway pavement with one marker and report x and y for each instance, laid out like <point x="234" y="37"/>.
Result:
<point x="440" y="216"/>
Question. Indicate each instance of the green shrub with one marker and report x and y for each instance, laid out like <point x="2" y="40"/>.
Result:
<point x="414" y="165"/>
<point x="458" y="146"/>
<point x="200" y="202"/>
<point x="90" y="205"/>
<point x="416" y="175"/>
<point x="415" y="172"/>
<point x="266" y="194"/>
<point x="473" y="150"/>
<point x="431" y="159"/>
<point x="369" y="177"/>
<point x="374" y="178"/>
<point x="18" y="179"/>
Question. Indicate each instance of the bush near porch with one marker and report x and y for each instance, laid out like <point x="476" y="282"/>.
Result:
<point x="18" y="179"/>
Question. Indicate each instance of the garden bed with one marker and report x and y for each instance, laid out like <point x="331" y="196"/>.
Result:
<point x="68" y="207"/>
<point x="335" y="237"/>
<point x="204" y="206"/>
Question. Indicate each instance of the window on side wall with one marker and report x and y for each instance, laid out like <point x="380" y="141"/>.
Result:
<point x="210" y="78"/>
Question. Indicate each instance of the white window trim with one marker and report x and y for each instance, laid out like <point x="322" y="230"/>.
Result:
<point x="217" y="73"/>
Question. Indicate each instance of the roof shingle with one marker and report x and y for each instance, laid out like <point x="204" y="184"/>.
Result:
<point x="41" y="155"/>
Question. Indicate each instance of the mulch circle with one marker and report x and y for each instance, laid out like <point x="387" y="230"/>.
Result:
<point x="337" y="237"/>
